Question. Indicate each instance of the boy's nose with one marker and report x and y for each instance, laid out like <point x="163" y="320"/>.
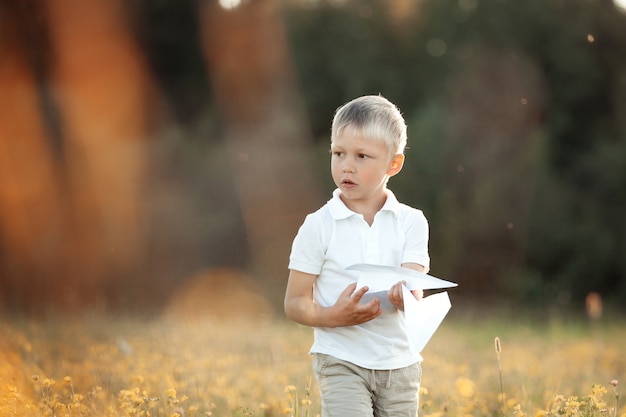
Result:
<point x="347" y="167"/>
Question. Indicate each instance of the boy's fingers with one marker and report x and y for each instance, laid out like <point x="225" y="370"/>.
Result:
<point x="397" y="289"/>
<point x="359" y="294"/>
<point x="349" y="290"/>
<point x="374" y="302"/>
<point x="373" y="306"/>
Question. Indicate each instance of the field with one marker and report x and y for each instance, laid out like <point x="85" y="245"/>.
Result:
<point x="121" y="366"/>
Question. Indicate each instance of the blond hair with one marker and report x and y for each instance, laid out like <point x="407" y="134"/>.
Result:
<point x="375" y="118"/>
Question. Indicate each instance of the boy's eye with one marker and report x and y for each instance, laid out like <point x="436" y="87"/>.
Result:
<point x="337" y="153"/>
<point x="362" y="156"/>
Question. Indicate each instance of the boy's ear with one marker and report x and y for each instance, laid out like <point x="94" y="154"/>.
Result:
<point x="396" y="164"/>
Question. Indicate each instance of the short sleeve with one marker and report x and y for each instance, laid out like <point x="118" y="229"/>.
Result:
<point x="416" y="238"/>
<point x="308" y="249"/>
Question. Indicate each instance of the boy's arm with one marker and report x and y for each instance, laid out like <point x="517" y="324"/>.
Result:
<point x="395" y="293"/>
<point x="416" y="266"/>
<point x="418" y="294"/>
<point x="347" y="311"/>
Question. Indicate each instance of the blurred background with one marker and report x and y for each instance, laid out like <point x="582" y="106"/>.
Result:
<point x="160" y="155"/>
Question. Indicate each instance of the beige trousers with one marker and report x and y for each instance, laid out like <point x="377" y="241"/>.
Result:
<point x="347" y="390"/>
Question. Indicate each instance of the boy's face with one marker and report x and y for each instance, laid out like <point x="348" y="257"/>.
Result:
<point x="360" y="168"/>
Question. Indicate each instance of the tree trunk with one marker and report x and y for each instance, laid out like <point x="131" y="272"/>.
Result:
<point x="103" y="91"/>
<point x="250" y="70"/>
<point x="73" y="124"/>
<point x="31" y="199"/>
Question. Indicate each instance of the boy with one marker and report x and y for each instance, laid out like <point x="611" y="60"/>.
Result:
<point x="362" y="359"/>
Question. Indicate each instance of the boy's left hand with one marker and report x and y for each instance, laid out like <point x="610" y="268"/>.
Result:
<point x="395" y="295"/>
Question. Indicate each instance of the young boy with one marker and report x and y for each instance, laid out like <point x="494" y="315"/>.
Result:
<point x="362" y="359"/>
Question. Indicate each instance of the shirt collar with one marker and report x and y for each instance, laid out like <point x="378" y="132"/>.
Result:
<point x="340" y="211"/>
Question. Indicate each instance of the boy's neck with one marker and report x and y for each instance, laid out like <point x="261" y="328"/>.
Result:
<point x="367" y="209"/>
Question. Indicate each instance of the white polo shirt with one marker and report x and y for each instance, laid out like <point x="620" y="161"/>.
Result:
<point x="333" y="238"/>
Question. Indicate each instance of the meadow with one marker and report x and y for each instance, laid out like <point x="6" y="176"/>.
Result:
<point x="129" y="366"/>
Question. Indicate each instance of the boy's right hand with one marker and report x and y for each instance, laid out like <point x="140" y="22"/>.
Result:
<point x="349" y="311"/>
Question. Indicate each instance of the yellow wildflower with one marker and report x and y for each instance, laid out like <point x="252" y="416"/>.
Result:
<point x="572" y="403"/>
<point x="598" y="390"/>
<point x="465" y="387"/>
<point x="511" y="403"/>
<point x="517" y="411"/>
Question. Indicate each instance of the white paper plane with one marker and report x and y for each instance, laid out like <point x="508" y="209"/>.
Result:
<point x="382" y="277"/>
<point x="422" y="318"/>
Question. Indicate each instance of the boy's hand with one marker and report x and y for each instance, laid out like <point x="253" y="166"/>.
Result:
<point x="348" y="310"/>
<point x="395" y="295"/>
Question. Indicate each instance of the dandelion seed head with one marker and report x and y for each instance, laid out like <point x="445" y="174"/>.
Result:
<point x="614" y="382"/>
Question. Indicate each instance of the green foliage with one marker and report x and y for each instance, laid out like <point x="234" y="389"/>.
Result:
<point x="517" y="130"/>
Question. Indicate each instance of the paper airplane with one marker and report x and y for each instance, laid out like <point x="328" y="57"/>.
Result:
<point x="422" y="318"/>
<point x="382" y="277"/>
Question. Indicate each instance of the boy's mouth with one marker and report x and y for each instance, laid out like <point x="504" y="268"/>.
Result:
<point x="348" y="182"/>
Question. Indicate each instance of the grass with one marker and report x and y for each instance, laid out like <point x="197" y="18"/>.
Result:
<point x="121" y="366"/>
<point x="540" y="361"/>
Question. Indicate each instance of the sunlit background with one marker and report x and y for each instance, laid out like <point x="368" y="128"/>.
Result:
<point x="159" y="156"/>
<point x="621" y="4"/>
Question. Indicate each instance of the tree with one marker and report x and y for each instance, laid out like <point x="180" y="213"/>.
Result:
<point x="73" y="175"/>
<point x="265" y="124"/>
